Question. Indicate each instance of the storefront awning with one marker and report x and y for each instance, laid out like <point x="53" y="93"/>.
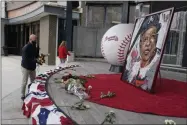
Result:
<point x="42" y="11"/>
<point x="4" y="20"/>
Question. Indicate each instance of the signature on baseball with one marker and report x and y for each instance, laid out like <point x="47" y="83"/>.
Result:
<point x="115" y="38"/>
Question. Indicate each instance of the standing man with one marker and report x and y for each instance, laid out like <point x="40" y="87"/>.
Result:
<point x="28" y="63"/>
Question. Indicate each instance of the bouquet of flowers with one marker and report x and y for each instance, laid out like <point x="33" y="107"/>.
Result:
<point x="81" y="79"/>
<point x="75" y="85"/>
<point x="41" y="58"/>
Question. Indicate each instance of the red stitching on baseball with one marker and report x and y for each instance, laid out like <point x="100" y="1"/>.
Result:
<point x="120" y="56"/>
<point x="129" y="37"/>
<point x="122" y="47"/>
<point x="102" y="50"/>
<point x="121" y="61"/>
<point x="124" y="43"/>
<point x="121" y="52"/>
<point x="126" y="39"/>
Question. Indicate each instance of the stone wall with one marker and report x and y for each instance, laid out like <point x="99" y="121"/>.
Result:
<point x="87" y="41"/>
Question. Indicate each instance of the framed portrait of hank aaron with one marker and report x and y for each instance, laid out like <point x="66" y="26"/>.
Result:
<point x="146" y="49"/>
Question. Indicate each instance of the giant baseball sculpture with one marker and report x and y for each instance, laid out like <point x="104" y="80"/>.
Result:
<point x="115" y="43"/>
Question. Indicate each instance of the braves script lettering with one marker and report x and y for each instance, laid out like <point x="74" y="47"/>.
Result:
<point x="115" y="38"/>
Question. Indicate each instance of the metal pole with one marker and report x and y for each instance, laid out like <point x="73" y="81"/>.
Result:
<point x="69" y="25"/>
<point x="125" y="12"/>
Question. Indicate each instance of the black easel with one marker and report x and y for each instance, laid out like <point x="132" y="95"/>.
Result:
<point x="159" y="73"/>
<point x="116" y="69"/>
<point x="160" y="81"/>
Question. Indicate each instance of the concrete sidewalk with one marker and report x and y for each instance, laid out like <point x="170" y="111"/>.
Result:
<point x="11" y="74"/>
<point x="11" y="93"/>
<point x="11" y="83"/>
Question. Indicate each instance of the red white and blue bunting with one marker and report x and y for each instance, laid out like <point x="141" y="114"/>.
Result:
<point x="38" y="105"/>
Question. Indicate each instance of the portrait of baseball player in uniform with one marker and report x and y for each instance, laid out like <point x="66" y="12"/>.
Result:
<point x="145" y="50"/>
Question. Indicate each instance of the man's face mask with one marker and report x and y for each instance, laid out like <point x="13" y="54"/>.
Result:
<point x="34" y="42"/>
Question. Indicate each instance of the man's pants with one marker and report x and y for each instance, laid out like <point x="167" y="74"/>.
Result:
<point x="26" y="74"/>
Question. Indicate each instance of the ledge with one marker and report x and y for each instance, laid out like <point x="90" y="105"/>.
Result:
<point x="46" y="88"/>
<point x="40" y="12"/>
<point x="164" y="67"/>
<point x="38" y="98"/>
<point x="4" y="21"/>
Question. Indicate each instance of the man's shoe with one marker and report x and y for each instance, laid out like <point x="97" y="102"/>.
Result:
<point x="22" y="98"/>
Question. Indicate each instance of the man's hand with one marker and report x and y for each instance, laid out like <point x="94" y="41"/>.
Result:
<point x="38" y="62"/>
<point x="41" y="58"/>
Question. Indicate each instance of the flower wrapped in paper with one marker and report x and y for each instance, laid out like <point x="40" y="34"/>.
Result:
<point x="75" y="87"/>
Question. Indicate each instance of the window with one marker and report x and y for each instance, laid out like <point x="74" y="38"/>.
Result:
<point x="172" y="43"/>
<point x="113" y="14"/>
<point x="173" y="52"/>
<point x="138" y="11"/>
<point x="132" y="14"/>
<point x="99" y="16"/>
<point x="95" y="16"/>
<point x="145" y="10"/>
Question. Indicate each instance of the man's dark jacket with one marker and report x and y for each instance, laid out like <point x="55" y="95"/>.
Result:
<point x="29" y="55"/>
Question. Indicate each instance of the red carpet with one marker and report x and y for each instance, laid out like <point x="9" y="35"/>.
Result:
<point x="170" y="98"/>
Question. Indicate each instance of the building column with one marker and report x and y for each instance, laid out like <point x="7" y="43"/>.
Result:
<point x="2" y="36"/>
<point x="69" y="25"/>
<point x="125" y="12"/>
<point x="124" y="19"/>
<point x="48" y="38"/>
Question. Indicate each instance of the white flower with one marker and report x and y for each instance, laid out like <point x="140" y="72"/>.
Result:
<point x="111" y="112"/>
<point x="89" y="87"/>
<point x="166" y="121"/>
<point x="87" y="106"/>
<point x="170" y="122"/>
